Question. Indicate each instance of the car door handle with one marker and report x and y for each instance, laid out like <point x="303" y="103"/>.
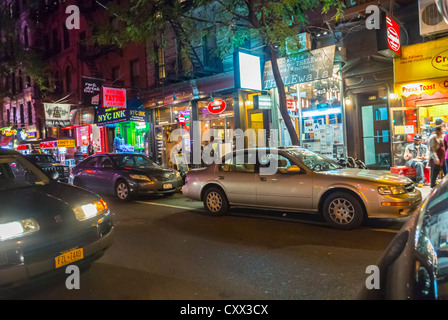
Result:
<point x="262" y="178"/>
<point x="220" y="177"/>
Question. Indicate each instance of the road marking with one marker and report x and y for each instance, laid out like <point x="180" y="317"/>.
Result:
<point x="247" y="215"/>
<point x="385" y="230"/>
<point x="167" y="205"/>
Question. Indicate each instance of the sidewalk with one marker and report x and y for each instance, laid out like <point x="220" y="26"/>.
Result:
<point x="425" y="190"/>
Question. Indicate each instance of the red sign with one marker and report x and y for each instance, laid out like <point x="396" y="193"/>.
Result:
<point x="114" y="98"/>
<point x="216" y="106"/>
<point x="48" y="145"/>
<point x="393" y="35"/>
<point x="181" y="120"/>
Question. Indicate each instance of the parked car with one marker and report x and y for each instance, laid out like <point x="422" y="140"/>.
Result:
<point x="125" y="174"/>
<point x="415" y="264"/>
<point x="301" y="180"/>
<point x="44" y="224"/>
<point x="52" y="168"/>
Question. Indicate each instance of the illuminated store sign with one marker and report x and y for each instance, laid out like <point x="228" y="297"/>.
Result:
<point x="114" y="98"/>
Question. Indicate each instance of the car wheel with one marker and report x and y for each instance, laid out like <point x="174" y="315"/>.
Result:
<point x="122" y="190"/>
<point x="343" y="211"/>
<point x="215" y="202"/>
<point x="77" y="182"/>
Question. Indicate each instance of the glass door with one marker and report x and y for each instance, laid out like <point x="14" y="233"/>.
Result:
<point x="404" y="127"/>
<point x="376" y="138"/>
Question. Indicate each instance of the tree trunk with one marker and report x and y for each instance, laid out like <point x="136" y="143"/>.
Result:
<point x="282" y="97"/>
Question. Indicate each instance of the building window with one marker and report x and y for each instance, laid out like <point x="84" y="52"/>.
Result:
<point x="30" y="113"/>
<point x="25" y="37"/>
<point x="161" y="63"/>
<point x="115" y="74"/>
<point x="68" y="79"/>
<point x="135" y="73"/>
<point x="66" y="36"/>
<point x="22" y="115"/>
<point x="8" y="117"/>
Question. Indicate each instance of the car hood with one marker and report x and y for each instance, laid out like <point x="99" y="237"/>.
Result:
<point x="43" y="201"/>
<point x="379" y="176"/>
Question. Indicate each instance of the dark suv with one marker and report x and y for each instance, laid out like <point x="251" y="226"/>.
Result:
<point x="50" y="166"/>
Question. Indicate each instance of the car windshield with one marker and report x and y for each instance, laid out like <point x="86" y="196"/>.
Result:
<point x="41" y="158"/>
<point x="16" y="173"/>
<point x="133" y="161"/>
<point x="312" y="160"/>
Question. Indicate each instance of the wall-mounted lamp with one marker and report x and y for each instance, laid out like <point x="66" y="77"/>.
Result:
<point x="393" y="96"/>
<point x="348" y="101"/>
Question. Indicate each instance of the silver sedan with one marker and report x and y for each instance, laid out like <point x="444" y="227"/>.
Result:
<point x="296" y="179"/>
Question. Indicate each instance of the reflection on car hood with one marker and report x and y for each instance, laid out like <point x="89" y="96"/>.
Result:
<point x="151" y="171"/>
<point x="39" y="201"/>
<point x="379" y="176"/>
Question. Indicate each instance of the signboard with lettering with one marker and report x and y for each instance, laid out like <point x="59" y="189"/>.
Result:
<point x="388" y="36"/>
<point x="216" y="106"/>
<point x="307" y="66"/>
<point x="112" y="115"/>
<point x="422" y="61"/>
<point x="57" y="114"/>
<point x="114" y="98"/>
<point x="91" y="91"/>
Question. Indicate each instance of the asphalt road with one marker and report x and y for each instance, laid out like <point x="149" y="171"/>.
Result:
<point x="169" y="249"/>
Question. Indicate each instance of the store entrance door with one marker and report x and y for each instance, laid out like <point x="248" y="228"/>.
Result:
<point x="259" y="121"/>
<point x="376" y="136"/>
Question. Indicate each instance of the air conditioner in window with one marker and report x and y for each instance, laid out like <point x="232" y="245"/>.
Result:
<point x="431" y="21"/>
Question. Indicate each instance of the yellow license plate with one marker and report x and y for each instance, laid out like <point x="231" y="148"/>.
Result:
<point x="69" y="257"/>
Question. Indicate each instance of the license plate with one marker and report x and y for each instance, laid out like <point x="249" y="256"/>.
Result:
<point x="167" y="186"/>
<point x="69" y="257"/>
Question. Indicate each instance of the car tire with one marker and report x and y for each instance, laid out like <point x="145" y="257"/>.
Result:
<point x="122" y="190"/>
<point x="215" y="201"/>
<point x="77" y="182"/>
<point x="343" y="211"/>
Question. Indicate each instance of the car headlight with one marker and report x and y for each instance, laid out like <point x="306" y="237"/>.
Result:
<point x="90" y="210"/>
<point x="17" y="229"/>
<point x="139" y="177"/>
<point x="178" y="175"/>
<point x="391" y="190"/>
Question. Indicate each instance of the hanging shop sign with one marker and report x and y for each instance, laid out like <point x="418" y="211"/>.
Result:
<point x="114" y="98"/>
<point x="57" y="115"/>
<point x="388" y="36"/>
<point x="304" y="67"/>
<point x="216" y="106"/>
<point x="422" y="61"/>
<point x="91" y="91"/>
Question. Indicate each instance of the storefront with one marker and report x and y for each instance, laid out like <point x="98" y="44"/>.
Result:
<point x="421" y="93"/>
<point x="61" y="149"/>
<point x="313" y="94"/>
<point x="130" y="126"/>
<point x="7" y="137"/>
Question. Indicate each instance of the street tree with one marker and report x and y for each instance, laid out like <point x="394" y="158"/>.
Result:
<point x="275" y="23"/>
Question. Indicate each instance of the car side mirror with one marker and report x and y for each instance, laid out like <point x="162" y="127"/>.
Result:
<point x="294" y="169"/>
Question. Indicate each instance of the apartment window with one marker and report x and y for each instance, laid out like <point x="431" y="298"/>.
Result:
<point x="22" y="115"/>
<point x="25" y="37"/>
<point x="66" y="36"/>
<point x="30" y="113"/>
<point x="115" y="74"/>
<point x="161" y="63"/>
<point x="135" y="73"/>
<point x="68" y="79"/>
<point x="8" y="117"/>
<point x="14" y="115"/>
